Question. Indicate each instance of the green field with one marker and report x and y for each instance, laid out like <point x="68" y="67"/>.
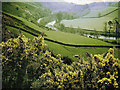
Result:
<point x="16" y="32"/>
<point x="26" y="10"/>
<point x="25" y="22"/>
<point x="75" y="39"/>
<point x="66" y="50"/>
<point x="102" y="12"/>
<point x="71" y="51"/>
<point x="97" y="23"/>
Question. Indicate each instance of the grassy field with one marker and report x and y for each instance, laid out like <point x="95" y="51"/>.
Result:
<point x="25" y="22"/>
<point x="16" y="31"/>
<point x="95" y="13"/>
<point x="71" y="51"/>
<point x="74" y="39"/>
<point x="66" y="50"/>
<point x="90" y="23"/>
<point x="26" y="10"/>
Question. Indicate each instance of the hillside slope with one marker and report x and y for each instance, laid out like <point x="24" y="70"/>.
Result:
<point x="91" y="23"/>
<point x="101" y="8"/>
<point x="26" y="10"/>
<point x="74" y="9"/>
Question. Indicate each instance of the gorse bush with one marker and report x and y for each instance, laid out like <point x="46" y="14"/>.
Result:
<point x="108" y="70"/>
<point x="16" y="55"/>
<point x="28" y="64"/>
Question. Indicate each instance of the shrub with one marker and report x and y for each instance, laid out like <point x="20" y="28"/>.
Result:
<point x="98" y="72"/>
<point x="17" y="53"/>
<point x="27" y="64"/>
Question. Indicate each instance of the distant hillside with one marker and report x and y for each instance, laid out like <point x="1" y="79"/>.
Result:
<point x="75" y="9"/>
<point x="90" y="22"/>
<point x="101" y="8"/>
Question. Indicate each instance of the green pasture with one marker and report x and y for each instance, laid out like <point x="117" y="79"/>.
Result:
<point x="90" y="23"/>
<point x="75" y="39"/>
<point x="16" y="32"/>
<point x="97" y="12"/>
<point x="71" y="51"/>
<point x="25" y="22"/>
<point x="66" y="50"/>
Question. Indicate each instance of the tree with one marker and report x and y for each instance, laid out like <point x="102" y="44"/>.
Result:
<point x="96" y="34"/>
<point x="59" y="16"/>
<point x="117" y="28"/>
<point x="105" y="28"/>
<point x="99" y="14"/>
<point x="110" y="25"/>
<point x="17" y="8"/>
<point x="62" y="27"/>
<point x="110" y="4"/>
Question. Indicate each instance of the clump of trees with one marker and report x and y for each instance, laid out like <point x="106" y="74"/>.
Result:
<point x="64" y="15"/>
<point x="112" y="28"/>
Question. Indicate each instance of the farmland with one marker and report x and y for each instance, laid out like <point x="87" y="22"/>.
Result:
<point x="36" y="56"/>
<point x="74" y="39"/>
<point x="85" y="23"/>
<point x="104" y="11"/>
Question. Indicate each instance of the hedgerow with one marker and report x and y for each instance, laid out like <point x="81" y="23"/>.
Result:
<point x="28" y="64"/>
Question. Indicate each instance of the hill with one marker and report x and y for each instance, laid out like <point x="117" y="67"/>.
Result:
<point x="74" y="9"/>
<point x="92" y="21"/>
<point x="99" y="14"/>
<point x="26" y="10"/>
<point x="101" y="8"/>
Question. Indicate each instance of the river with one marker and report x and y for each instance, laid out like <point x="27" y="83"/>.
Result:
<point x="101" y="37"/>
<point x="51" y="25"/>
<point x="39" y="20"/>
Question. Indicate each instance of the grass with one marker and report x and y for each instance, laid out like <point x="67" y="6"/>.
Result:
<point x="111" y="41"/>
<point x="22" y="9"/>
<point x="90" y="23"/>
<point x="21" y="23"/>
<point x="69" y="39"/>
<point x="102" y="12"/>
<point x="16" y="32"/>
<point x="71" y="51"/>
<point x="25" y="22"/>
<point x="75" y="39"/>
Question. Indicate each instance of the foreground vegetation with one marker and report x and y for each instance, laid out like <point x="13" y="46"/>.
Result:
<point x="33" y="66"/>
